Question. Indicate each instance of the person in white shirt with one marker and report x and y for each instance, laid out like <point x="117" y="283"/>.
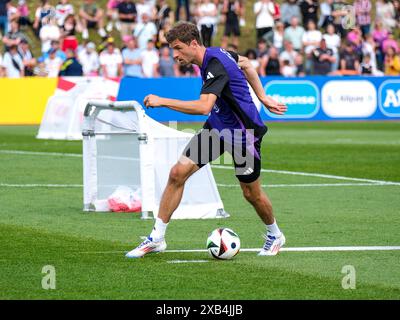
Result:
<point x="150" y="60"/>
<point x="311" y="40"/>
<point x="264" y="11"/>
<point x="63" y="10"/>
<point x="289" y="54"/>
<point x="111" y="61"/>
<point x="49" y="31"/>
<point x="146" y="7"/>
<point x="333" y="42"/>
<point x="12" y="63"/>
<point x="89" y="59"/>
<point x="207" y="14"/>
<point x="145" y="31"/>
<point x="53" y="64"/>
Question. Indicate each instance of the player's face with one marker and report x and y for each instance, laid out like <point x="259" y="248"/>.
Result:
<point x="183" y="53"/>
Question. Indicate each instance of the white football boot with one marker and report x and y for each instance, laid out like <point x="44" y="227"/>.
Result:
<point x="147" y="246"/>
<point x="272" y="245"/>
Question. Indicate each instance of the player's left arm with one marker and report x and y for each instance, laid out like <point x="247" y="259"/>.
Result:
<point x="254" y="80"/>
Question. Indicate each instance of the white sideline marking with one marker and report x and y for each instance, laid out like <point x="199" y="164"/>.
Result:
<point x="309" y="185"/>
<point x="36" y="185"/>
<point x="187" y="261"/>
<point x="294" y="249"/>
<point x="319" y="175"/>
<point x="309" y="249"/>
<point x="37" y="153"/>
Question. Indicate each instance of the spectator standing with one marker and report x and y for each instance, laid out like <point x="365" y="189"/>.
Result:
<point x="185" y="4"/>
<point x="161" y="39"/>
<point x="207" y="14"/>
<point x="363" y="15"/>
<point x="164" y="14"/>
<point x="12" y="63"/>
<point x="392" y="63"/>
<point x="89" y="59"/>
<point x="45" y="10"/>
<point x="71" y="67"/>
<point x="279" y="34"/>
<point x="323" y="58"/>
<point x="311" y="38"/>
<point x="112" y="15"/>
<point x="309" y="11"/>
<point x="338" y="12"/>
<point x="92" y="17"/>
<point x="14" y="36"/>
<point x="264" y="11"/>
<point x="390" y="41"/>
<point x="69" y="31"/>
<point x="380" y="34"/>
<point x="325" y="17"/>
<point x="333" y="42"/>
<point x="48" y="33"/>
<point x="12" y="12"/>
<point x="150" y="60"/>
<point x="27" y="58"/>
<point x="132" y="59"/>
<point x="145" y="7"/>
<point x="111" y="61"/>
<point x="385" y="12"/>
<point x="63" y="10"/>
<point x="145" y="31"/>
<point x="277" y="11"/>
<point x="3" y="16"/>
<point x="127" y="17"/>
<point x="23" y="12"/>
<point x="270" y="64"/>
<point x="396" y="5"/>
<point x="294" y="34"/>
<point x="231" y="10"/>
<point x="290" y="9"/>
<point x="168" y="67"/>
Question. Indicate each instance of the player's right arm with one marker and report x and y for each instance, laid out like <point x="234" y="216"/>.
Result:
<point x="202" y="106"/>
<point x="254" y="80"/>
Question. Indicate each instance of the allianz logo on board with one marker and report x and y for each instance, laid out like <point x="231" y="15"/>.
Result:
<point x="389" y="98"/>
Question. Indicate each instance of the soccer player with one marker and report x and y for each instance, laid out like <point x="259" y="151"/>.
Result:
<point x="234" y="125"/>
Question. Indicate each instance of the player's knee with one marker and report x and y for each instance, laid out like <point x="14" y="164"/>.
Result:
<point x="252" y="196"/>
<point x="177" y="175"/>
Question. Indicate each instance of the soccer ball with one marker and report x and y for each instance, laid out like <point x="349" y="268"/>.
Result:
<point x="223" y="243"/>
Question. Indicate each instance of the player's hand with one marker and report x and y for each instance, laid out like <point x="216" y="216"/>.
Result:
<point x="152" y="101"/>
<point x="274" y="106"/>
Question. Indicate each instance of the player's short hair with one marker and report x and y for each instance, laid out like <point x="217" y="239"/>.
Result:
<point x="185" y="32"/>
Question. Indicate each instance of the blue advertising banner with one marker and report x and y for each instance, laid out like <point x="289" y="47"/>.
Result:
<point x="307" y="98"/>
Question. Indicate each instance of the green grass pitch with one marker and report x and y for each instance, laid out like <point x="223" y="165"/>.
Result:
<point x="42" y="226"/>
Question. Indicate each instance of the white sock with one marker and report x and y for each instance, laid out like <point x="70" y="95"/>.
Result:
<point x="158" y="232"/>
<point x="274" y="229"/>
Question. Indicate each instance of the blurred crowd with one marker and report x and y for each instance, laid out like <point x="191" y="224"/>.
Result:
<point x="293" y="38"/>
